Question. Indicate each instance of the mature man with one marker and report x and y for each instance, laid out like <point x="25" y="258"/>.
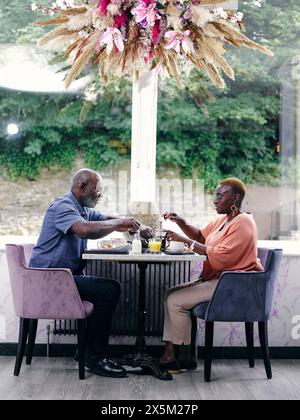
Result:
<point x="68" y="223"/>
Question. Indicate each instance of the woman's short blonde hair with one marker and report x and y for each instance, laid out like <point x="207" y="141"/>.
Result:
<point x="237" y="187"/>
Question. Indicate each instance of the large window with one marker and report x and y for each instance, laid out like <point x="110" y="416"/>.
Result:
<point x="250" y="130"/>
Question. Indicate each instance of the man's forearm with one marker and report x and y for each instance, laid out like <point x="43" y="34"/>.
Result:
<point x="96" y="230"/>
<point x="111" y="217"/>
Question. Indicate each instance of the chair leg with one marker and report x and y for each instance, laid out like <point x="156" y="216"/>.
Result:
<point x="264" y="343"/>
<point x="249" y="326"/>
<point x="81" y="340"/>
<point x="23" y="334"/>
<point x="33" y="323"/>
<point x="209" y="339"/>
<point x="194" y="352"/>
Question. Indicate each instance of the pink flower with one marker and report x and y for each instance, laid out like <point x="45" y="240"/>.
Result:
<point x="121" y="20"/>
<point x="102" y="6"/>
<point x="146" y="11"/>
<point x="155" y="32"/>
<point x="111" y="37"/>
<point x="178" y="40"/>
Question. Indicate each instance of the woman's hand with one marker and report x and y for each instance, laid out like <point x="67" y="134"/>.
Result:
<point x="172" y="236"/>
<point x="174" y="218"/>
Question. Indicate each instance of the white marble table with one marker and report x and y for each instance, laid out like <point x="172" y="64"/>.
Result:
<point x="144" y="258"/>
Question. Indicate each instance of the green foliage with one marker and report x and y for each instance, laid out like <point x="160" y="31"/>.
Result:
<point x="51" y="134"/>
<point x="231" y="136"/>
<point x="20" y="164"/>
<point x="16" y="18"/>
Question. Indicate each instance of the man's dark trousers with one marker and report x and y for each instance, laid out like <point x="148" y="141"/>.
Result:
<point x="104" y="294"/>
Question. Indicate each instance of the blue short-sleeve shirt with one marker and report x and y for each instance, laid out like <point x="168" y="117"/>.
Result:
<point x="56" y="246"/>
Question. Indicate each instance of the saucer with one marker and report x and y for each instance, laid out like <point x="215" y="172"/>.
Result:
<point x="177" y="253"/>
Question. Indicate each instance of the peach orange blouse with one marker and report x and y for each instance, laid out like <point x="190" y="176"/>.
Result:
<point x="233" y="248"/>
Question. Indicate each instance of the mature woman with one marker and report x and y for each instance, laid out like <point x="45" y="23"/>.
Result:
<point x="230" y="244"/>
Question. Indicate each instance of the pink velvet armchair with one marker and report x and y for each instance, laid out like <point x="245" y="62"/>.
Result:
<point x="43" y="293"/>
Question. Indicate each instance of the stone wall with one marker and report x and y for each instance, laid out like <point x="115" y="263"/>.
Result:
<point x="262" y="201"/>
<point x="23" y="203"/>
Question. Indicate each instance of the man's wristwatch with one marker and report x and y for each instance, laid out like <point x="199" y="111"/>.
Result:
<point x="192" y="246"/>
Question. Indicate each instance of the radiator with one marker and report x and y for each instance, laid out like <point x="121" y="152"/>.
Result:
<point x="159" y="277"/>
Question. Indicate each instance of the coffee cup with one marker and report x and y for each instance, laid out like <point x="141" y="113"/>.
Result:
<point x="176" y="247"/>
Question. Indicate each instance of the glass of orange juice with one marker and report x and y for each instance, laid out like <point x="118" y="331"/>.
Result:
<point x="155" y="245"/>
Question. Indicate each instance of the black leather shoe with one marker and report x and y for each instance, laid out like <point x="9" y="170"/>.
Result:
<point x="103" y="366"/>
<point x="106" y="367"/>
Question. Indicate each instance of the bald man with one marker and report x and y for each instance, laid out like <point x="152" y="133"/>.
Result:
<point x="68" y="223"/>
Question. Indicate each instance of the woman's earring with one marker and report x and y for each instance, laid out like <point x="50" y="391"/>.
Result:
<point x="234" y="210"/>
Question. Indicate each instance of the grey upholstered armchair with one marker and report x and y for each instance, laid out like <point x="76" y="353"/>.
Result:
<point x="242" y="297"/>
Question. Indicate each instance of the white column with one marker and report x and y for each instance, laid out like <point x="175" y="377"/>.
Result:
<point x="143" y="143"/>
<point x="297" y="161"/>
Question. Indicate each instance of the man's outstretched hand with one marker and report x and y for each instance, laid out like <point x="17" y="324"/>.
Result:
<point x="129" y="224"/>
<point x="147" y="232"/>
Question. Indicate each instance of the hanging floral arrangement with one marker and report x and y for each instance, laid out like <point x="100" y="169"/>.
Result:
<point x="130" y="37"/>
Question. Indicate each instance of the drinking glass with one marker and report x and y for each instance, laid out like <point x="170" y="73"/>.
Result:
<point x="155" y="245"/>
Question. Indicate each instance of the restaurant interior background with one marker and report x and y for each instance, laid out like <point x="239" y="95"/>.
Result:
<point x="251" y="130"/>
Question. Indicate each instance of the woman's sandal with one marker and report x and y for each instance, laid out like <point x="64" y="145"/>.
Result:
<point x="172" y="367"/>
